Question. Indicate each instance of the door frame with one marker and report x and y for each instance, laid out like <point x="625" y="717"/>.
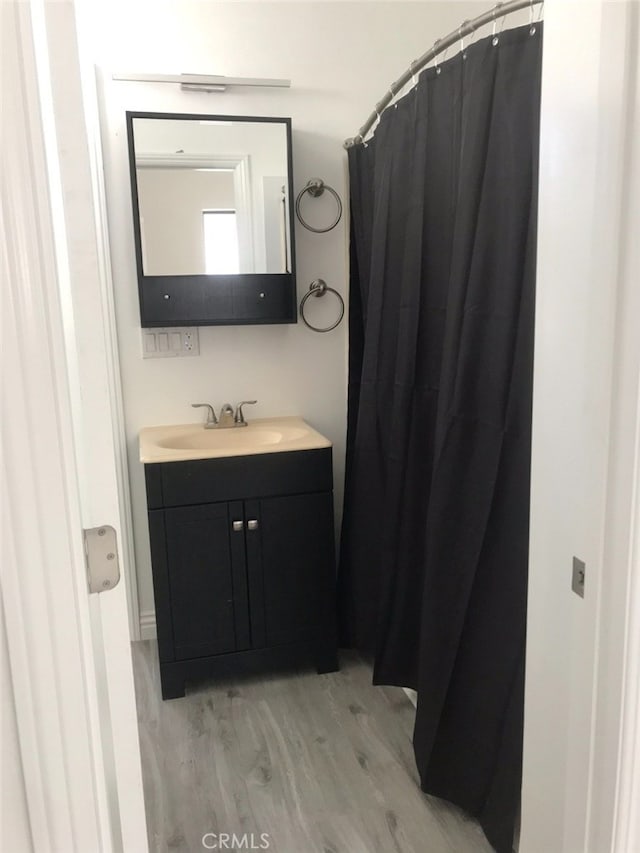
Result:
<point x="72" y="690"/>
<point x="46" y="610"/>
<point x="614" y="789"/>
<point x="89" y="84"/>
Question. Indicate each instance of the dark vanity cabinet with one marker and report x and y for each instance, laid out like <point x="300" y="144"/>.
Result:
<point x="243" y="564"/>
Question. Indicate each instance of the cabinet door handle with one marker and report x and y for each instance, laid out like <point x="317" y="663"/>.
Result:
<point x="237" y="526"/>
<point x="252" y="524"/>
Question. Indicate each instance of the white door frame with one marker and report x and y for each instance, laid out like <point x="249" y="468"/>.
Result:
<point x="614" y="824"/>
<point x="626" y="819"/>
<point x="77" y="734"/>
<point x="43" y="573"/>
<point x="89" y="83"/>
<point x="581" y="666"/>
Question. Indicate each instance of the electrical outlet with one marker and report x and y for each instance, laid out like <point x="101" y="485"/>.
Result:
<point x="578" y="576"/>
<point x="170" y="343"/>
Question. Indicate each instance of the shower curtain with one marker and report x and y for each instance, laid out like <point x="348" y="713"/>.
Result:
<point x="433" y="570"/>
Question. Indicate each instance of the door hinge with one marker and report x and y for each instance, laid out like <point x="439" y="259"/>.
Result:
<point x="101" y="557"/>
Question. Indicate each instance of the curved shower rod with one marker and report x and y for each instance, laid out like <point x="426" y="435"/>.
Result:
<point x="500" y="10"/>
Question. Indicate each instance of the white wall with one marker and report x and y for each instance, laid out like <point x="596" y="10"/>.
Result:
<point x="341" y="57"/>
<point x="585" y="125"/>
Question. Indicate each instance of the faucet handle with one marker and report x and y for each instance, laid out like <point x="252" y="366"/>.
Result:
<point x="211" y="415"/>
<point x="239" y="416"/>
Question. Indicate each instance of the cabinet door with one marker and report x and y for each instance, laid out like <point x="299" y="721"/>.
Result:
<point x="292" y="561"/>
<point x="207" y="580"/>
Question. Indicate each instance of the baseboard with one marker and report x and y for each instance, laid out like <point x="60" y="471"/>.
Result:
<point x="148" y="625"/>
<point x="413" y="696"/>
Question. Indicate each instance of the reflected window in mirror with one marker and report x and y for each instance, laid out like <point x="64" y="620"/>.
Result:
<point x="220" y="231"/>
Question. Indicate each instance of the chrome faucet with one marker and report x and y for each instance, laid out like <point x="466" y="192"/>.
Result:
<point x="225" y="420"/>
<point x="239" y="416"/>
<point x="212" y="420"/>
<point x="228" y="418"/>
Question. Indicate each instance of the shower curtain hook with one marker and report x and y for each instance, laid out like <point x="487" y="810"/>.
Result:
<point x="460" y="28"/>
<point x="474" y="33"/>
<point x="494" y="38"/>
<point x="435" y="57"/>
<point x="393" y="92"/>
<point x="413" y="73"/>
<point x="532" y="23"/>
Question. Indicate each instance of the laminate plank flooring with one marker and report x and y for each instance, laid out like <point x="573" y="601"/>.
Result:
<point x="320" y="763"/>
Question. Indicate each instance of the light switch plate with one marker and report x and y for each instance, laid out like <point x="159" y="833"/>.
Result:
<point x="174" y="342"/>
<point x="577" y="577"/>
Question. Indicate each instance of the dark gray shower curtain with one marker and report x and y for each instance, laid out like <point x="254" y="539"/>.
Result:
<point x="433" y="571"/>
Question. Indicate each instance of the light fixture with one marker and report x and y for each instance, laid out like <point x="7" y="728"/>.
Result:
<point x="201" y="82"/>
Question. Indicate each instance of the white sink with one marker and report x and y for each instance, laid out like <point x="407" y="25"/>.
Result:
<point x="192" y="441"/>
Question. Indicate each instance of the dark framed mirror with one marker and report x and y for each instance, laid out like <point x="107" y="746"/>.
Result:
<point x="212" y="218"/>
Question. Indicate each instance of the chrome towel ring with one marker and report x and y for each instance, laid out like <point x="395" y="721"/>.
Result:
<point x="319" y="288"/>
<point x="315" y="187"/>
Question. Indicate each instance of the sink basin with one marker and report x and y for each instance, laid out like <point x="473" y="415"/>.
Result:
<point x="205" y="439"/>
<point x="193" y="441"/>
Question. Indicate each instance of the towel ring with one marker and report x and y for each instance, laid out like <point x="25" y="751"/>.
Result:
<point x="319" y="288"/>
<point x="315" y="187"/>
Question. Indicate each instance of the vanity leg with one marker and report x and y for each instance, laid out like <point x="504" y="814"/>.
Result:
<point x="327" y="660"/>
<point x="173" y="687"/>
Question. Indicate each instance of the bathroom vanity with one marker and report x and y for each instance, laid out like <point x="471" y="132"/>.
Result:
<point x="242" y="548"/>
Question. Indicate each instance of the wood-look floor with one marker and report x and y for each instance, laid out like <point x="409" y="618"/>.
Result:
<point x="321" y="763"/>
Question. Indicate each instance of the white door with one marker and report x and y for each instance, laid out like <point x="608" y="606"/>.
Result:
<point x="69" y="651"/>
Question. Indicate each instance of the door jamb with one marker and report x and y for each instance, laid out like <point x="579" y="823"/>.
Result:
<point x="89" y="81"/>
<point x="46" y="608"/>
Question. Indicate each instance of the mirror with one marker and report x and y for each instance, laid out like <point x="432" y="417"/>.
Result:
<point x="213" y="222"/>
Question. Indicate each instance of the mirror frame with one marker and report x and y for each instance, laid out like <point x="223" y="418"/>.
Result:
<point x="213" y="300"/>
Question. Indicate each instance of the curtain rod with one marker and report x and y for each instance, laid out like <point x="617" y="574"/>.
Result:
<point x="500" y="10"/>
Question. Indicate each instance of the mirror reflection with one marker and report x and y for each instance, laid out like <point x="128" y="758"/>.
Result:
<point x="213" y="195"/>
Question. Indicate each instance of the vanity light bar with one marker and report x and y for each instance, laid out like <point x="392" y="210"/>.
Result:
<point x="201" y="82"/>
<point x="202" y="87"/>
